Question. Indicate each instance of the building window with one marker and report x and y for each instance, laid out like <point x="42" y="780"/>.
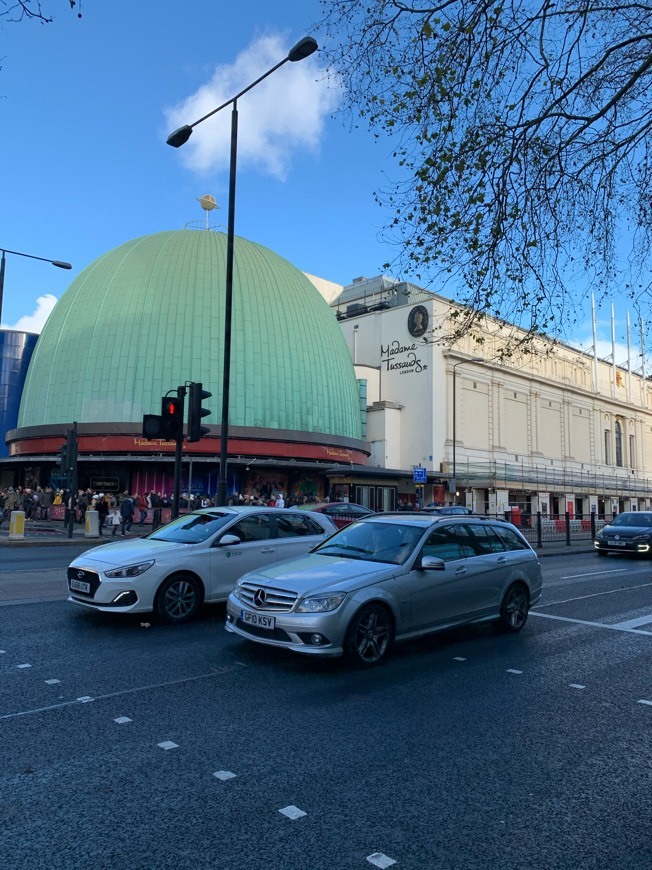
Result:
<point x="607" y="447"/>
<point x="619" y="444"/>
<point x="632" y="451"/>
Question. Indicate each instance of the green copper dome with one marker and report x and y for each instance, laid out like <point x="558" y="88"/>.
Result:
<point x="149" y="316"/>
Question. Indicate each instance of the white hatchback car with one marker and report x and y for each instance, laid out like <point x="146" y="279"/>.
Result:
<point x="197" y="557"/>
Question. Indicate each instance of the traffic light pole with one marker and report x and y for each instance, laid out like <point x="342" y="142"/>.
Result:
<point x="178" y="453"/>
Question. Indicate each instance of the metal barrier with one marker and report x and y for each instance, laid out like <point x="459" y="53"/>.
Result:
<point x="541" y="529"/>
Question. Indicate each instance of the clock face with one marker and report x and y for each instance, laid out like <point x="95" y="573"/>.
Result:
<point x="418" y="321"/>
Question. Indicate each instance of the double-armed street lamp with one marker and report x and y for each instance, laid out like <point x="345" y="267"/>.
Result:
<point x="59" y="263"/>
<point x="473" y="359"/>
<point x="304" y="48"/>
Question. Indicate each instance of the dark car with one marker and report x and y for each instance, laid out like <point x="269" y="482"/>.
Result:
<point x="341" y="512"/>
<point x="629" y="532"/>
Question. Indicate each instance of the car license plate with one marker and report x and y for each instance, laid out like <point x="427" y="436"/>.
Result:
<point x="257" y="619"/>
<point x="618" y="543"/>
<point x="80" y="586"/>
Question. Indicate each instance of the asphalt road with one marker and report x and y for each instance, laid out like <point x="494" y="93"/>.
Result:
<point x="126" y="744"/>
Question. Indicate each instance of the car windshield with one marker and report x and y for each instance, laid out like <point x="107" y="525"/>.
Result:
<point x="373" y="542"/>
<point x="632" y="519"/>
<point x="192" y="528"/>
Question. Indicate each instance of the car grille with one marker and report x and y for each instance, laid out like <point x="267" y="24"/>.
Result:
<point x="86" y="577"/>
<point x="276" y="600"/>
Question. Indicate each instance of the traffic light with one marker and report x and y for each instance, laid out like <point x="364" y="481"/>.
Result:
<point x="196" y="412"/>
<point x="152" y="426"/>
<point x="171" y="418"/>
<point x="68" y="453"/>
<point x="63" y="461"/>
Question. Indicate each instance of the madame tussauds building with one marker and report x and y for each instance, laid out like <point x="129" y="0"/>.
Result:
<point x="148" y="317"/>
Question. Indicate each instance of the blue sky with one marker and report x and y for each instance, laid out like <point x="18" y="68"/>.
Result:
<point x="85" y="108"/>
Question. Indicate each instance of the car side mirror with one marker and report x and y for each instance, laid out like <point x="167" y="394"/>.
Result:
<point x="432" y="563"/>
<point x="228" y="541"/>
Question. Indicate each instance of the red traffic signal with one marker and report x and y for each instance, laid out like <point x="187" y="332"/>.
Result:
<point x="171" y="418"/>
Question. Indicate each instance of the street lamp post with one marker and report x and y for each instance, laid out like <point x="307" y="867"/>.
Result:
<point x="453" y="483"/>
<point x="304" y="48"/>
<point x="59" y="263"/>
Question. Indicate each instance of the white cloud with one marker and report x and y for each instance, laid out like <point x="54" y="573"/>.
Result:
<point x="35" y="322"/>
<point x="282" y="115"/>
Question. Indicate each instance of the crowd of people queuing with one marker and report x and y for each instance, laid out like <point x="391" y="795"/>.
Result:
<point x="35" y="503"/>
<point x="120" y="512"/>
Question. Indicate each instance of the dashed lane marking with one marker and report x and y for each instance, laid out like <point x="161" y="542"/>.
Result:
<point x="216" y="672"/>
<point x="378" y="859"/>
<point x="168" y="744"/>
<point x="459" y="659"/>
<point x="513" y="671"/>
<point x="586" y="622"/>
<point x="23" y="666"/>
<point x="52" y="682"/>
<point x="575" y="686"/>
<point x="122" y="720"/>
<point x="224" y="775"/>
<point x="642" y="701"/>
<point x="292" y="812"/>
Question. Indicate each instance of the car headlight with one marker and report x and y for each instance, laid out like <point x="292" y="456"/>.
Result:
<point x="321" y="603"/>
<point x="643" y="537"/>
<point x="130" y="570"/>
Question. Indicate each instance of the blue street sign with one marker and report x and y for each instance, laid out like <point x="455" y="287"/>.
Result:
<point x="420" y="474"/>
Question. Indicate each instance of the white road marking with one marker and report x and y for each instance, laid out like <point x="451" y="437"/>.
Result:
<point x="168" y="744"/>
<point x="575" y="686"/>
<point x="224" y="775"/>
<point x="634" y="623"/>
<point x="649" y="703"/>
<point x="216" y="672"/>
<point x="52" y="682"/>
<point x="512" y="671"/>
<point x="2" y="652"/>
<point x="586" y="622"/>
<point x="378" y="859"/>
<point x="85" y="699"/>
<point x="23" y="666"/>
<point x="594" y="595"/>
<point x="292" y="812"/>
<point x="595" y="574"/>
<point x="459" y="659"/>
<point x="122" y="720"/>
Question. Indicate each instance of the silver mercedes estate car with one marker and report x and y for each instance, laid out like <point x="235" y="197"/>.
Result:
<point x="385" y="578"/>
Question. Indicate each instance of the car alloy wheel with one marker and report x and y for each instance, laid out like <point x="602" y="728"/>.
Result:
<point x="515" y="607"/>
<point x="370" y="636"/>
<point x="178" y="598"/>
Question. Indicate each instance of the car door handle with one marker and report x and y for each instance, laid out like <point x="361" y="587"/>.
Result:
<point x="501" y="560"/>
<point x="268" y="550"/>
<point x="459" y="571"/>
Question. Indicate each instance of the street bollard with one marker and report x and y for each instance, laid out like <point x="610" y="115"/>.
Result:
<point x="92" y="525"/>
<point x="17" y="525"/>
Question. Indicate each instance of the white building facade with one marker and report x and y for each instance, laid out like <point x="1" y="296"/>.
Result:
<point x="552" y="430"/>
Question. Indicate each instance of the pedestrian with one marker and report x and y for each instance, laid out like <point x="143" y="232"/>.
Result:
<point x="127" y="509"/>
<point x="155" y="504"/>
<point x="280" y="501"/>
<point x="102" y="508"/>
<point x="46" y="503"/>
<point x="114" y="519"/>
<point x="142" y="507"/>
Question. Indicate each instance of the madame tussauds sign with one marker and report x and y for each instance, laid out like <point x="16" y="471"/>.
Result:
<point x="401" y="358"/>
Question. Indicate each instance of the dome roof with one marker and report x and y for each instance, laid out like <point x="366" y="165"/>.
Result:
<point x="149" y="315"/>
